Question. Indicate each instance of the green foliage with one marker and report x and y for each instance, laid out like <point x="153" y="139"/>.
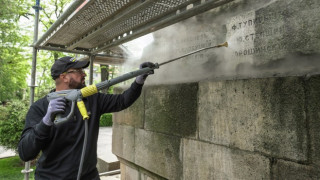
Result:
<point x="11" y="168"/>
<point x="44" y="81"/>
<point x="106" y="120"/>
<point x="51" y="11"/>
<point x="12" y="117"/>
<point x="13" y="59"/>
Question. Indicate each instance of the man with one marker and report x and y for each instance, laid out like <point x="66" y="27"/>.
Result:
<point x="61" y="145"/>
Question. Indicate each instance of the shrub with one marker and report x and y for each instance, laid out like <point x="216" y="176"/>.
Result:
<point x="12" y="118"/>
<point x="106" y="120"/>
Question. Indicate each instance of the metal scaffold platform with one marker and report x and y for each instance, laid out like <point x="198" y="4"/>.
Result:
<point x="93" y="27"/>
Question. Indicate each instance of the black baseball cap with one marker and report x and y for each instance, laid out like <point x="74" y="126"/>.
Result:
<point x="63" y="64"/>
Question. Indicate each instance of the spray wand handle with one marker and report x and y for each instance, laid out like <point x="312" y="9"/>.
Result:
<point x="92" y="89"/>
<point x="106" y="84"/>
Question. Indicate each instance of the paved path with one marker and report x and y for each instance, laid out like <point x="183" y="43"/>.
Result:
<point x="104" y="150"/>
<point x="105" y="145"/>
<point x="6" y="153"/>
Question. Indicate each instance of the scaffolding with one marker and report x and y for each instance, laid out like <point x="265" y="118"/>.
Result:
<point x="96" y="28"/>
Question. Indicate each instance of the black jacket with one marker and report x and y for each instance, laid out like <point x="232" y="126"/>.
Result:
<point x="61" y="145"/>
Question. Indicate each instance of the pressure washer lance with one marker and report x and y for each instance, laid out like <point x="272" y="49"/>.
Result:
<point x="76" y="95"/>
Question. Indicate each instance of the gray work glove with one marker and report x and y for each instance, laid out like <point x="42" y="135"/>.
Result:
<point x="141" y="78"/>
<point x="55" y="106"/>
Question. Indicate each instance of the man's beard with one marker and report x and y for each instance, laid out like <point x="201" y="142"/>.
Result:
<point x="76" y="85"/>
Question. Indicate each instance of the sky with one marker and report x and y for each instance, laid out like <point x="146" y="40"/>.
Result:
<point x="136" y="46"/>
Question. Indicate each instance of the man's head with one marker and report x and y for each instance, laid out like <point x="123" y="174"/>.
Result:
<point x="68" y="73"/>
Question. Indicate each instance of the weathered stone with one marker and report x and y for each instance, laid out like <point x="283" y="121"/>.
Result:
<point x="294" y="171"/>
<point x="158" y="153"/>
<point x="123" y="141"/>
<point x="172" y="109"/>
<point x="208" y="161"/>
<point x="104" y="166"/>
<point x="132" y="116"/>
<point x="266" y="115"/>
<point x="128" y="173"/>
<point x="146" y="177"/>
<point x="313" y="114"/>
<point x="275" y="30"/>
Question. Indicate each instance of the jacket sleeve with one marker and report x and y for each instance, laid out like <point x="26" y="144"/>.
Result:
<point x="117" y="102"/>
<point x="35" y="134"/>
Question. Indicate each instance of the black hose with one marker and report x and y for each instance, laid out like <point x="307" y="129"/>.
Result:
<point x="83" y="148"/>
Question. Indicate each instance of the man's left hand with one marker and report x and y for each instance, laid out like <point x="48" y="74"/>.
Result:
<point x="141" y="78"/>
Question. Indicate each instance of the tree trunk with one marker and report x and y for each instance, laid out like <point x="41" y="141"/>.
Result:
<point x="104" y="75"/>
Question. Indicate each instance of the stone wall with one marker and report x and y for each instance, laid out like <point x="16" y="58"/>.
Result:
<point x="240" y="129"/>
<point x="251" y="111"/>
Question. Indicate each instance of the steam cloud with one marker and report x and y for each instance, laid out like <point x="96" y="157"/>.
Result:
<point x="259" y="40"/>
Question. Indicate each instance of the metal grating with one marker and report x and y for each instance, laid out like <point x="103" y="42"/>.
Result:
<point x="125" y="26"/>
<point x="101" y="24"/>
<point x="85" y="20"/>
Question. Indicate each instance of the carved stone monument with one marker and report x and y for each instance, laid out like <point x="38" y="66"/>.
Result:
<point x="249" y="111"/>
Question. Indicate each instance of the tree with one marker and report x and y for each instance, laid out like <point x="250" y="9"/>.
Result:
<point x="13" y="59"/>
<point x="51" y="11"/>
<point x="15" y="56"/>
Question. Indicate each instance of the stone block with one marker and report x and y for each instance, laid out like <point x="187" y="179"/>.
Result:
<point x="313" y="114"/>
<point x="146" y="177"/>
<point x="172" y="109"/>
<point x="285" y="170"/>
<point x="123" y="141"/>
<point x="104" y="166"/>
<point x="158" y="153"/>
<point x="265" y="115"/>
<point x="128" y="173"/>
<point x="132" y="116"/>
<point x="208" y="161"/>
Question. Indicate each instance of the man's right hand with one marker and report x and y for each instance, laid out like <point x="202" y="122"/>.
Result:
<point x="55" y="106"/>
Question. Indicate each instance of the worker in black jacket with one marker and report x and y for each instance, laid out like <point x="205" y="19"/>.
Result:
<point x="61" y="145"/>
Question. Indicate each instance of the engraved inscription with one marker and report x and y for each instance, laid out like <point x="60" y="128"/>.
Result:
<point x="262" y="49"/>
<point x="273" y="31"/>
<point x="266" y="18"/>
<point x="272" y="35"/>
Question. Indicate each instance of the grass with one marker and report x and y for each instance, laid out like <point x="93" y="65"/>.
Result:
<point x="10" y="169"/>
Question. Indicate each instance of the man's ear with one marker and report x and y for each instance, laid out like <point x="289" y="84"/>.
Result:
<point x="63" y="77"/>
